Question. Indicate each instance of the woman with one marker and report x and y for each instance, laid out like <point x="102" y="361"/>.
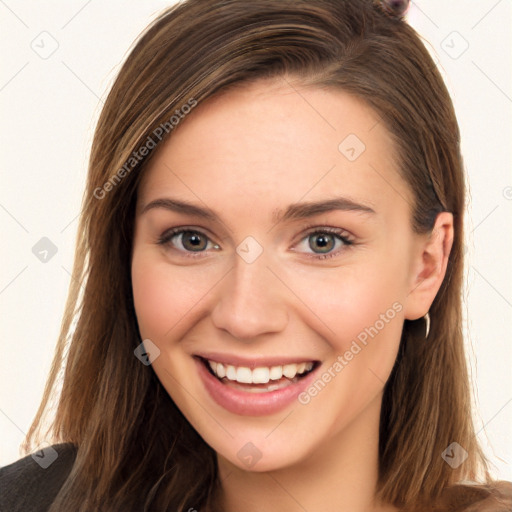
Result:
<point x="307" y="357"/>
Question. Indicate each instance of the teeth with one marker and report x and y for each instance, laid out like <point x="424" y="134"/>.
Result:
<point x="221" y="370"/>
<point x="230" y="372"/>
<point x="243" y="375"/>
<point x="260" y="375"/>
<point x="290" y="370"/>
<point x="276" y="372"/>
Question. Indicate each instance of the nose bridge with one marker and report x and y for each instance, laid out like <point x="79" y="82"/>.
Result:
<point x="251" y="302"/>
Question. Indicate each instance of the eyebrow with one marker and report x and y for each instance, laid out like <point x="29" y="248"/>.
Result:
<point x="295" y="211"/>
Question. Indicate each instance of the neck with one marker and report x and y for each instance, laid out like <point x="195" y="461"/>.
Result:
<point x="341" y="475"/>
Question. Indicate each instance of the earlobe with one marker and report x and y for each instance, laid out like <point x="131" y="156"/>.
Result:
<point x="430" y="270"/>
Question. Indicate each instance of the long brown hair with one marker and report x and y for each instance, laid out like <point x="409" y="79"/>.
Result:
<point x="135" y="448"/>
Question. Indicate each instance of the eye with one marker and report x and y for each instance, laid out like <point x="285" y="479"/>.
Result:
<point x="325" y="240"/>
<point x="186" y="241"/>
<point x="193" y="243"/>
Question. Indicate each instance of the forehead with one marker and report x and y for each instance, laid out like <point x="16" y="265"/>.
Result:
<point x="272" y="143"/>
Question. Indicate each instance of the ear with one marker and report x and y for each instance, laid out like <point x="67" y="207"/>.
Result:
<point x="429" y="268"/>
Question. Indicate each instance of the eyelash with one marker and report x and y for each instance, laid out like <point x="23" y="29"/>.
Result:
<point x="341" y="234"/>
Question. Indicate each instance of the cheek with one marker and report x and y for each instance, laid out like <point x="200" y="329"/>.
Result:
<point x="162" y="298"/>
<point x="365" y="329"/>
<point x="362" y="308"/>
<point x="352" y="300"/>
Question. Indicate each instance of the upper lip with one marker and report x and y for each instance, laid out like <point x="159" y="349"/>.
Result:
<point x="254" y="362"/>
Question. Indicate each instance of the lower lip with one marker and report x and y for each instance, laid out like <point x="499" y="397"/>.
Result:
<point x="252" y="404"/>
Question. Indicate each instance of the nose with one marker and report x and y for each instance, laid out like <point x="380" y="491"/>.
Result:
<point x="252" y="301"/>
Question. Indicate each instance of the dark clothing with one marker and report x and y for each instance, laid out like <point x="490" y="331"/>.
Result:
<point x="32" y="483"/>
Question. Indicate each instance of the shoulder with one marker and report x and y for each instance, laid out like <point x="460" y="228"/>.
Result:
<point x="498" y="500"/>
<point x="495" y="497"/>
<point x="31" y="483"/>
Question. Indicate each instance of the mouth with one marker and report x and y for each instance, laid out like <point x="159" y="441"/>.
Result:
<point x="254" y="388"/>
<point x="261" y="379"/>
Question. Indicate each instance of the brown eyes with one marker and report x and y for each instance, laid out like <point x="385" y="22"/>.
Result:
<point x="192" y="240"/>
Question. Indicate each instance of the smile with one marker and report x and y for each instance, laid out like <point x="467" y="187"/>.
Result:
<point x="258" y="390"/>
<point x="260" y="375"/>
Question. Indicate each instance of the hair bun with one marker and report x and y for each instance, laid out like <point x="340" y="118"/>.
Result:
<point x="396" y="8"/>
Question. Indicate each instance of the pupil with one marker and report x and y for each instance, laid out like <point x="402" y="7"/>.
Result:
<point x="323" y="241"/>
<point x="194" y="239"/>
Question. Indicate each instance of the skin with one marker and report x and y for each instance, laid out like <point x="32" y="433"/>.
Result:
<point x="259" y="148"/>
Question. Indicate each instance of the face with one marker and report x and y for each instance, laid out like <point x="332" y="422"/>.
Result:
<point x="273" y="235"/>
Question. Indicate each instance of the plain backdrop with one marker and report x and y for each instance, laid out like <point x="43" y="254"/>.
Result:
<point x="58" y="61"/>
